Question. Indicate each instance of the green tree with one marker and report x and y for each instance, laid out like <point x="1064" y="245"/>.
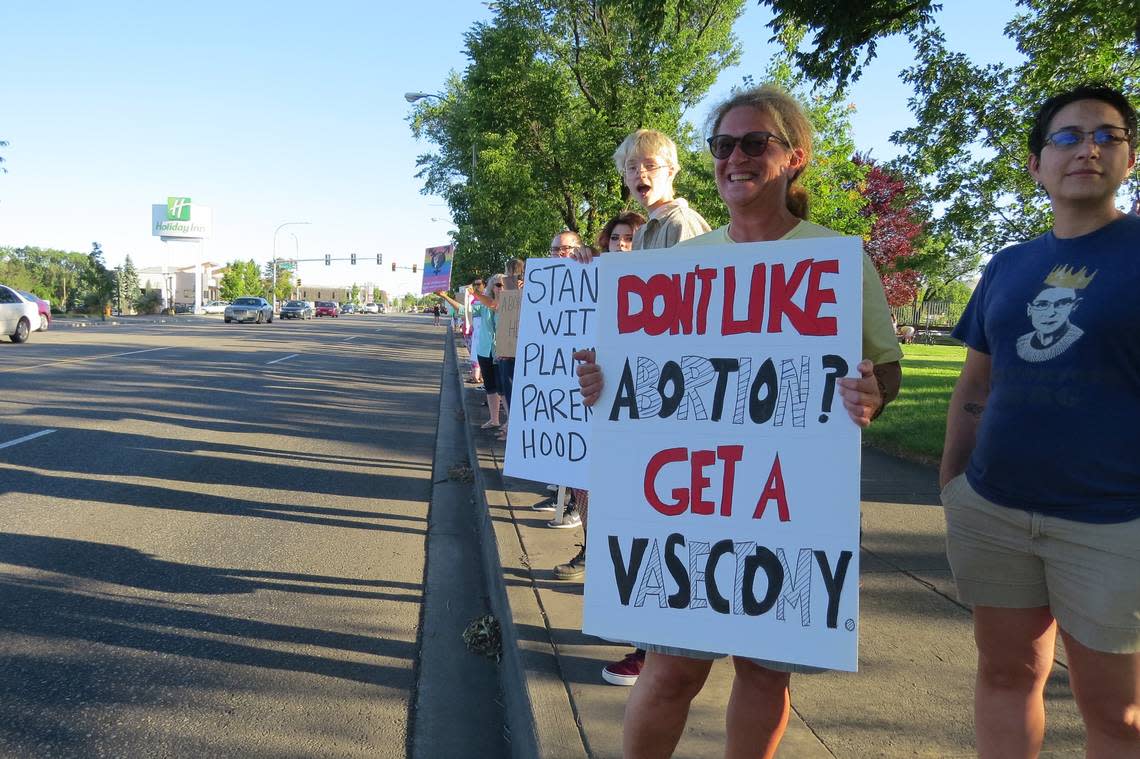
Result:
<point x="14" y="271"/>
<point x="241" y="278"/>
<point x="52" y="273"/>
<point x="968" y="147"/>
<point x="128" y="291"/>
<point x="97" y="282"/>
<point x="524" y="137"/>
<point x="842" y="31"/>
<point x="284" y="280"/>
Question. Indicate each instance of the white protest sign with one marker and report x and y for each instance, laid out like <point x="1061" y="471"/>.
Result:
<point x="547" y="438"/>
<point x="724" y="498"/>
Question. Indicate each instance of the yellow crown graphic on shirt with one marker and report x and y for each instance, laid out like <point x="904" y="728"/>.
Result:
<point x="1063" y="276"/>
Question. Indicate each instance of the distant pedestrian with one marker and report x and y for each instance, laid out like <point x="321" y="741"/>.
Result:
<point x="484" y="344"/>
<point x="435" y="313"/>
<point x="1040" y="472"/>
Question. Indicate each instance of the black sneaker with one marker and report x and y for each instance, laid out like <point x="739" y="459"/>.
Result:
<point x="575" y="569"/>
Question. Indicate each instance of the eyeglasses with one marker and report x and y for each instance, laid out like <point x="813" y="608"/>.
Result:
<point x="1049" y="305"/>
<point x="561" y="248"/>
<point x="498" y="284"/>
<point x="1067" y="139"/>
<point x="648" y="168"/>
<point x="753" y="144"/>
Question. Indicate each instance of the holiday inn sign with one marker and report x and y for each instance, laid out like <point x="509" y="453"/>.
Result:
<point x="181" y="219"/>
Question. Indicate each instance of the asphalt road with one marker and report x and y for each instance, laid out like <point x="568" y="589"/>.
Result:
<point x="219" y="547"/>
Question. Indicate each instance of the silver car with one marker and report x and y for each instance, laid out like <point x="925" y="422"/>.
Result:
<point x="297" y="309"/>
<point x="249" y="309"/>
<point x="17" y="314"/>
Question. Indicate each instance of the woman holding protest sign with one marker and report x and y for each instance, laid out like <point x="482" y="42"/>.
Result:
<point x="483" y="309"/>
<point x="616" y="237"/>
<point x="761" y="143"/>
<point x="505" y="349"/>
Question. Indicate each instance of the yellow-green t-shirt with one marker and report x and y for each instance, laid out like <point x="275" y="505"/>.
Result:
<point x="880" y="344"/>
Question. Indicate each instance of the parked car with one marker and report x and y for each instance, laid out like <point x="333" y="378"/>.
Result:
<point x="17" y="314"/>
<point x="44" y="309"/>
<point x="215" y="307"/>
<point x="371" y="308"/>
<point x="348" y="308"/>
<point x="296" y="309"/>
<point x="328" y="308"/>
<point x="249" y="309"/>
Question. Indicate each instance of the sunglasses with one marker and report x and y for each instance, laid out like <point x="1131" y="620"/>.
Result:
<point x="753" y="144"/>
<point x="498" y="284"/>
<point x="1065" y="139"/>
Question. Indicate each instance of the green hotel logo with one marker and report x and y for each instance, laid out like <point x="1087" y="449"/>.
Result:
<point x="178" y="209"/>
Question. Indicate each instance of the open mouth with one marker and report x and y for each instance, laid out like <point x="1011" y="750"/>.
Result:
<point x="643" y="188"/>
<point x="741" y="176"/>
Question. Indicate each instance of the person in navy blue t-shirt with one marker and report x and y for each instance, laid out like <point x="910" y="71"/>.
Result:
<point x="1040" y="472"/>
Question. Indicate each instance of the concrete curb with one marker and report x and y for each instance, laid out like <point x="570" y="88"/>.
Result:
<point x="540" y="717"/>
<point x="117" y="322"/>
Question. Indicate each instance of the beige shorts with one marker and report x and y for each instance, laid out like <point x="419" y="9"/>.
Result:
<point x="1087" y="574"/>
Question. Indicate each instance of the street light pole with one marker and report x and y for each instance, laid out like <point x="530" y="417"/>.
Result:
<point x="412" y="97"/>
<point x="273" y="263"/>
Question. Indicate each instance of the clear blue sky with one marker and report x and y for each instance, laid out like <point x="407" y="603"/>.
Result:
<point x="281" y="112"/>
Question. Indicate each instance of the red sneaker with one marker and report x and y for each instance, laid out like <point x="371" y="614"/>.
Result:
<point x="626" y="671"/>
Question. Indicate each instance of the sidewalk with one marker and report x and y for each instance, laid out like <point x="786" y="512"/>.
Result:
<point x="912" y="696"/>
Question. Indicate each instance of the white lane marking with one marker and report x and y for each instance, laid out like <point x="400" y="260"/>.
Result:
<point x="86" y="358"/>
<point x="279" y="360"/>
<point x="26" y="438"/>
<point x="345" y="340"/>
<point x="133" y="353"/>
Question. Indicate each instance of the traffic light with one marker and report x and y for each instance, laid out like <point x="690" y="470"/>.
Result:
<point x="298" y="281"/>
<point x="393" y="266"/>
<point x="413" y="268"/>
<point x="328" y="259"/>
<point x="379" y="258"/>
<point x="352" y="258"/>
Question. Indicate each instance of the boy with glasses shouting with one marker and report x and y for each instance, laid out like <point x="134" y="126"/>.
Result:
<point x="647" y="160"/>
<point x="1040" y="472"/>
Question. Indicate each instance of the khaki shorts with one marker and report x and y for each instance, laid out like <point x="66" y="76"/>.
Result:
<point x="1087" y="574"/>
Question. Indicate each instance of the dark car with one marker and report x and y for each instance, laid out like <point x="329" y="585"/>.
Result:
<point x="328" y="308"/>
<point x="296" y="309"/>
<point x="44" y="309"/>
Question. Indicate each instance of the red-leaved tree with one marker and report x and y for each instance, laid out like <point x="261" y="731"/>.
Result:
<point x="894" y="226"/>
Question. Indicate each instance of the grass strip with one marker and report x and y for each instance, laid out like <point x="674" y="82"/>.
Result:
<point x="914" y="425"/>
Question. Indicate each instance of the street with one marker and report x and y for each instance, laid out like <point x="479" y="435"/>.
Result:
<point x="214" y="541"/>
